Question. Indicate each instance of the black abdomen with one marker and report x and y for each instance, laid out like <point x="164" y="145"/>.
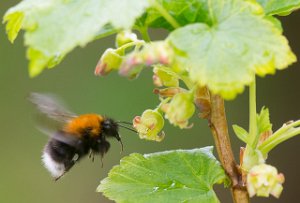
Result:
<point x="65" y="154"/>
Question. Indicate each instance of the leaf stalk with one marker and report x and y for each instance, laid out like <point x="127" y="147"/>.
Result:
<point x="165" y="14"/>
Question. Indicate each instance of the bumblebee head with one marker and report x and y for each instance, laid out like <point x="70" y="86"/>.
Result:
<point x="110" y="128"/>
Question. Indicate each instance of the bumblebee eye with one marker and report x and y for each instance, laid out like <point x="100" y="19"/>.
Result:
<point x="106" y="124"/>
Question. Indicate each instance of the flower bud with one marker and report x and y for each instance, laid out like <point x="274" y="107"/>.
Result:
<point x="164" y="76"/>
<point x="149" y="125"/>
<point x="202" y="101"/>
<point x="109" y="60"/>
<point x="168" y="92"/>
<point x="264" y="180"/>
<point x="154" y="53"/>
<point x="125" y="37"/>
<point x="157" y="81"/>
<point x="132" y="66"/>
<point x="180" y="109"/>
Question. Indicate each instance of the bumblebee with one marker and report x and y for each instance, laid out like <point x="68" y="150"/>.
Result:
<point x="75" y="136"/>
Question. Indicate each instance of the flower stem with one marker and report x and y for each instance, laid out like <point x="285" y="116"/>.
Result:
<point x="218" y="125"/>
<point x="165" y="14"/>
<point x="130" y="44"/>
<point x="252" y="116"/>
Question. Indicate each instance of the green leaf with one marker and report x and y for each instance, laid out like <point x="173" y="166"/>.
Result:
<point x="55" y="27"/>
<point x="171" y="176"/>
<point x="105" y="31"/>
<point x="184" y="12"/>
<point x="276" y="22"/>
<point x="13" y="26"/>
<point x="263" y="121"/>
<point x="226" y="55"/>
<point x="279" y="7"/>
<point x="241" y="133"/>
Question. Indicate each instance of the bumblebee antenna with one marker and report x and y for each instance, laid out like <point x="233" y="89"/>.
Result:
<point x="124" y="122"/>
<point x="127" y="128"/>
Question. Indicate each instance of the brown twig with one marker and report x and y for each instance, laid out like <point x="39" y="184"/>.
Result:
<point x="212" y="106"/>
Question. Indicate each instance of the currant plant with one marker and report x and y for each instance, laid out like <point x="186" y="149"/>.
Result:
<point x="214" y="49"/>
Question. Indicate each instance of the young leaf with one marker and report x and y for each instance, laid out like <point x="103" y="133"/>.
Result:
<point x="287" y="131"/>
<point x="54" y="28"/>
<point x="263" y="121"/>
<point x="279" y="7"/>
<point x="241" y="133"/>
<point x="171" y="176"/>
<point x="226" y="55"/>
<point x="14" y="23"/>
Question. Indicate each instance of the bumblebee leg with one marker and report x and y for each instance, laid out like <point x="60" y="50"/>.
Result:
<point x="102" y="148"/>
<point x="117" y="136"/>
<point x="101" y="157"/>
<point x="57" y="178"/>
<point x="91" y="155"/>
<point x="122" y="148"/>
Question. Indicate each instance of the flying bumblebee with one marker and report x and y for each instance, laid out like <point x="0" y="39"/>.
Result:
<point x="75" y="136"/>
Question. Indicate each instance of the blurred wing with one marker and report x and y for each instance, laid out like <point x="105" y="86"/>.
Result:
<point x="51" y="106"/>
<point x="52" y="117"/>
<point x="61" y="136"/>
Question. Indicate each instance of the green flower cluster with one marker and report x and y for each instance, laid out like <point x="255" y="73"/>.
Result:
<point x="177" y="103"/>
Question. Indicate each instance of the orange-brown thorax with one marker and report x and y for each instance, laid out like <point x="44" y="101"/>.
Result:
<point x="84" y="123"/>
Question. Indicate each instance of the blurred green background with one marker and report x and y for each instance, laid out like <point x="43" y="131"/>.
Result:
<point x="24" y="179"/>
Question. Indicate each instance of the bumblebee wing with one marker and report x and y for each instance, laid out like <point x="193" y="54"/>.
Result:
<point x="52" y="116"/>
<point x="51" y="106"/>
<point x="61" y="136"/>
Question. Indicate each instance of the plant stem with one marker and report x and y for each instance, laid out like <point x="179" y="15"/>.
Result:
<point x="145" y="34"/>
<point x="252" y="115"/>
<point x="165" y="14"/>
<point x="218" y="125"/>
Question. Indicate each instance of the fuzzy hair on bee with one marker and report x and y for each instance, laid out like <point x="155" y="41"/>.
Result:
<point x="74" y="136"/>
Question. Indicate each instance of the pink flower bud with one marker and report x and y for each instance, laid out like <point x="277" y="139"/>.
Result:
<point x="109" y="60"/>
<point x="150" y="54"/>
